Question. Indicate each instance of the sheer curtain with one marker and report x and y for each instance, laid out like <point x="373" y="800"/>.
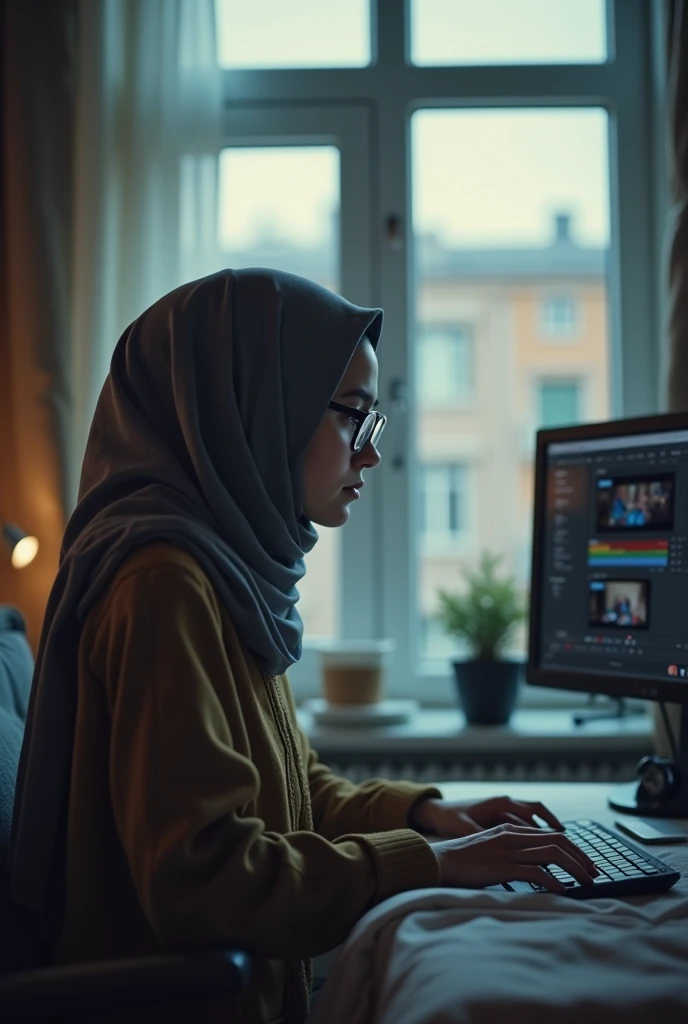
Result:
<point x="147" y="142"/>
<point x="110" y="128"/>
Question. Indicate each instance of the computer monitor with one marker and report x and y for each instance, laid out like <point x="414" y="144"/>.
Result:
<point x="609" y="587"/>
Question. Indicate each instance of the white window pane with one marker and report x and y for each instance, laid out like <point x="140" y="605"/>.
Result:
<point x="297" y="34"/>
<point x="280" y="207"/>
<point x="559" y="316"/>
<point x="509" y="208"/>
<point x="508" y="31"/>
<point x="443" y="506"/>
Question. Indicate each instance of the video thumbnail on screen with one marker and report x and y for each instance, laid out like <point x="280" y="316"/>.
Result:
<point x="638" y="503"/>
<point x="622" y="604"/>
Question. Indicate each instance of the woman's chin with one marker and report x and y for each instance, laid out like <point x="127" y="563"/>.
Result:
<point x="334" y="515"/>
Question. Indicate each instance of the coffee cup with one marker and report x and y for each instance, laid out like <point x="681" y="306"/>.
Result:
<point x="353" y="671"/>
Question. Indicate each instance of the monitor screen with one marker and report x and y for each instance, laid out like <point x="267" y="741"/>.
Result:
<point x="609" y="596"/>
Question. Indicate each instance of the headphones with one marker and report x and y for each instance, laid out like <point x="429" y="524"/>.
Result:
<point x="659" y="779"/>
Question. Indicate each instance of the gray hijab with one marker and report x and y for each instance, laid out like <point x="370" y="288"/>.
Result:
<point x="213" y="396"/>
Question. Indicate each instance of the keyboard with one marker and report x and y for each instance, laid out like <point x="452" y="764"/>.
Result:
<point x="625" y="869"/>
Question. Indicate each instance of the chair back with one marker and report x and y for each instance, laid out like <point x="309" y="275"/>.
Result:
<point x="20" y="946"/>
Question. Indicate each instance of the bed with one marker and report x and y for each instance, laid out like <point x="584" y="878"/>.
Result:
<point x="461" y="956"/>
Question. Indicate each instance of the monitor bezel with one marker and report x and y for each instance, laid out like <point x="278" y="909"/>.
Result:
<point x="564" y="679"/>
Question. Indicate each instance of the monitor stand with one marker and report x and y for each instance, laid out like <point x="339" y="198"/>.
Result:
<point x="631" y="798"/>
<point x="619" y="709"/>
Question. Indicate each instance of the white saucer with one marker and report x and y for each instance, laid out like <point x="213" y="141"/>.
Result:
<point x="386" y="712"/>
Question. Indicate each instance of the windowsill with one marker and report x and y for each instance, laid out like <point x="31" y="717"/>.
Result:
<point x="444" y="731"/>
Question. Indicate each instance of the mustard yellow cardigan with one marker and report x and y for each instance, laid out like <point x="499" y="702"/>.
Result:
<point x="198" y="813"/>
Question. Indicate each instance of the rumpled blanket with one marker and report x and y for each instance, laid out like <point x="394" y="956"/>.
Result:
<point x="465" y="956"/>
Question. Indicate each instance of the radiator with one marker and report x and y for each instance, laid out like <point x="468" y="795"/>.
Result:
<point x="518" y="769"/>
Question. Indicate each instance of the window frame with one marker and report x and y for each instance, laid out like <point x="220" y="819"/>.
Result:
<point x="629" y="86"/>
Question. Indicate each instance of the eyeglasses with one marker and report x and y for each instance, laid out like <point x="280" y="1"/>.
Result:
<point x="369" y="425"/>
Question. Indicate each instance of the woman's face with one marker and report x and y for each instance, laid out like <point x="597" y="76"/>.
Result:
<point x="330" y="466"/>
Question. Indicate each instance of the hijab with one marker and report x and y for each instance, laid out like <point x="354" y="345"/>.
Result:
<point x="198" y="438"/>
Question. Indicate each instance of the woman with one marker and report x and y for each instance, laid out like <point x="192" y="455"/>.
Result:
<point x="166" y="796"/>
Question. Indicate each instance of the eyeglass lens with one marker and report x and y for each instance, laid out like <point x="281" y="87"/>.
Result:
<point x="368" y="429"/>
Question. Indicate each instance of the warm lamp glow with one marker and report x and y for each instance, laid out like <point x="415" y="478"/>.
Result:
<point x="22" y="549"/>
<point x="24" y="552"/>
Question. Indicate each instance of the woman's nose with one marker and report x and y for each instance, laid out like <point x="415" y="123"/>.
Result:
<point x="369" y="456"/>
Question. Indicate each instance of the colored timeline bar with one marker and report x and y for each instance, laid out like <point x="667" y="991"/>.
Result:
<point x="628" y="554"/>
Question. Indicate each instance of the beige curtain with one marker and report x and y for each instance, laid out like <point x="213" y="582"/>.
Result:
<point x="36" y="126"/>
<point x="676" y="19"/>
<point x="111" y="135"/>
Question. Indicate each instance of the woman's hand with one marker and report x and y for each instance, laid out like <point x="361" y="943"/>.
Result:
<point x="455" y="818"/>
<point x="510" y="853"/>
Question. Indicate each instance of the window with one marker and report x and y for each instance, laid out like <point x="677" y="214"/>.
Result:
<point x="258" y="229"/>
<point x="508" y="31"/>
<point x="445" y="365"/>
<point x="298" y="34"/>
<point x="559" y="315"/>
<point x="459" y="198"/>
<point x="443" y="512"/>
<point x="559" y="403"/>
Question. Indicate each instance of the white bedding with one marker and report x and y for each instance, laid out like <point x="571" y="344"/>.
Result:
<point x="462" y="956"/>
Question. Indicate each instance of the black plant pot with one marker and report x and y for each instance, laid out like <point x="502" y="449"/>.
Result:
<point x="487" y="689"/>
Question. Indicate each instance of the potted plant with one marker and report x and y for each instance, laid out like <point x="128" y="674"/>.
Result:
<point x="484" y="615"/>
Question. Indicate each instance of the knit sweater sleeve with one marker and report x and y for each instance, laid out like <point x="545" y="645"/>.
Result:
<point x="376" y="805"/>
<point x="204" y="871"/>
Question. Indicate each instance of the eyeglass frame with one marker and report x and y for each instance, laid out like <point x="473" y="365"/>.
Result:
<point x="361" y="417"/>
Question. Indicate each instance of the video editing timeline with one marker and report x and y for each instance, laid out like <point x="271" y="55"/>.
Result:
<point x="615" y="583"/>
<point x="630" y="554"/>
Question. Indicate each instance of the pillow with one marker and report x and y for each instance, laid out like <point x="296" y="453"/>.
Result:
<point x="16" y="663"/>
<point x="20" y="947"/>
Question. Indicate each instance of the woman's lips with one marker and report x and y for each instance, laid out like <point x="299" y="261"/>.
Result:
<point x="353" y="491"/>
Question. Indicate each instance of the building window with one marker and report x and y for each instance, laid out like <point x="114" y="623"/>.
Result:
<point x="559" y="316"/>
<point x="443" y="504"/>
<point x="559" y="403"/>
<point x="445" y="365"/>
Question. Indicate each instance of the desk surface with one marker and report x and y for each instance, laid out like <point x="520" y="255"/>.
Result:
<point x="565" y="799"/>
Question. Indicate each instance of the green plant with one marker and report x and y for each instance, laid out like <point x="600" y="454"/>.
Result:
<point x="486" y="612"/>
